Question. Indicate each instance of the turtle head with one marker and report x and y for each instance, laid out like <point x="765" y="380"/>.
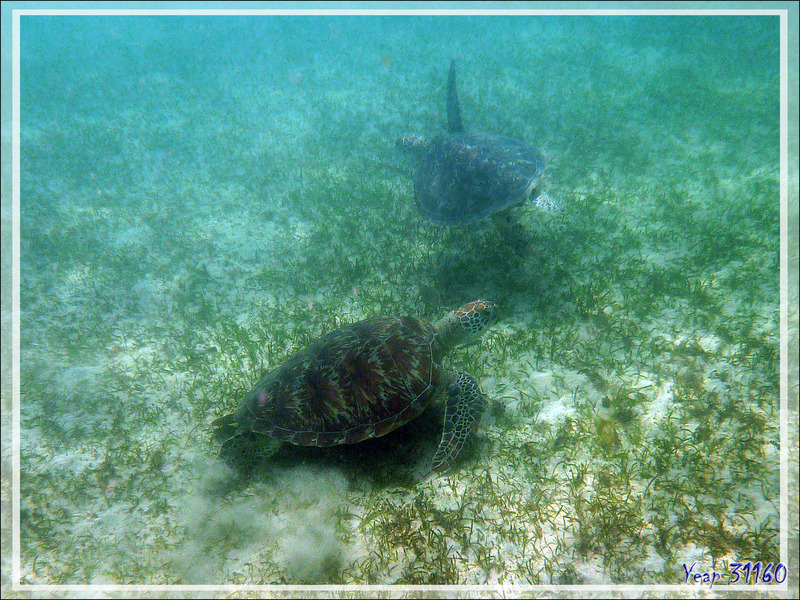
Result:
<point x="466" y="323"/>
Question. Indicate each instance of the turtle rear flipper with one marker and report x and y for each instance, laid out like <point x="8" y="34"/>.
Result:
<point x="241" y="449"/>
<point x="225" y="428"/>
<point x="465" y="405"/>
<point x="454" y="124"/>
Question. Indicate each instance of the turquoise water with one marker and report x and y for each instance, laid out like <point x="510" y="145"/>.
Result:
<point x="203" y="196"/>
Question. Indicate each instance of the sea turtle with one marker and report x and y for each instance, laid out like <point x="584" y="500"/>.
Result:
<point x="462" y="177"/>
<point x="362" y="381"/>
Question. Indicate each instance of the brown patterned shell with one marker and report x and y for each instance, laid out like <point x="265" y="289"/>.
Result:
<point x="360" y="381"/>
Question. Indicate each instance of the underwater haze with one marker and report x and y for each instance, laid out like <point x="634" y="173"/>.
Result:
<point x="203" y="196"/>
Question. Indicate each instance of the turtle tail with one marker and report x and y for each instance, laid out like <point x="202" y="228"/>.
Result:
<point x="465" y="405"/>
<point x="454" y="124"/>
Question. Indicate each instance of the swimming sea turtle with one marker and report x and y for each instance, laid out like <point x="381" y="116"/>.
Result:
<point x="463" y="177"/>
<point x="362" y="381"/>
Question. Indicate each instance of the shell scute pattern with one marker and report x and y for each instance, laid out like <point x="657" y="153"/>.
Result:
<point x="349" y="384"/>
<point x="468" y="177"/>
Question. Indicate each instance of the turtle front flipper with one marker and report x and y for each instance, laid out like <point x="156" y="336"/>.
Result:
<point x="465" y="405"/>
